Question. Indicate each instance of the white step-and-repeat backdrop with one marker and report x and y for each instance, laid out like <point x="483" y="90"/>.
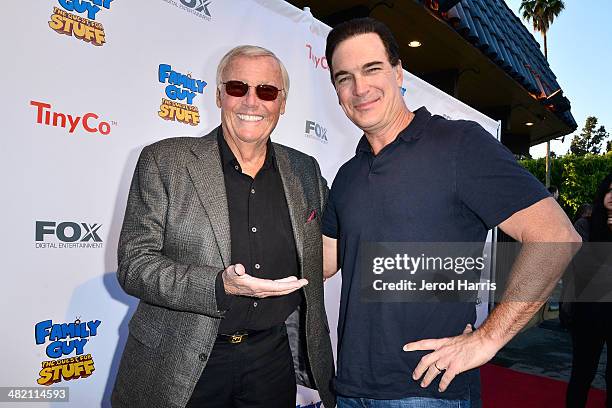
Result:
<point x="86" y="85"/>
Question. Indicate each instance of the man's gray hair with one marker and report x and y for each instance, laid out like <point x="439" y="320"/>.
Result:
<point x="251" y="51"/>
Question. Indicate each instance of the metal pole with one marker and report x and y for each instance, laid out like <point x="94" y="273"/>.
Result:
<point x="547" y="163"/>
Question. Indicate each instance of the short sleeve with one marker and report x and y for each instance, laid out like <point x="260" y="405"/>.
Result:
<point x="330" y="216"/>
<point x="490" y="182"/>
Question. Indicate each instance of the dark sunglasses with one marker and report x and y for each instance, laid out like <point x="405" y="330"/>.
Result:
<point x="239" y="89"/>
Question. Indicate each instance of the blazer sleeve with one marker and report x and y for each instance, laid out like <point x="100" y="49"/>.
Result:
<point x="144" y="271"/>
<point x="322" y="184"/>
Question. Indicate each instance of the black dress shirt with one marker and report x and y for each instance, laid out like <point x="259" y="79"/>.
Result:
<point x="262" y="241"/>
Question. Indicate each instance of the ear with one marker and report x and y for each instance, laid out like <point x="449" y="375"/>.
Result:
<point x="218" y="98"/>
<point x="283" y="102"/>
<point x="399" y="73"/>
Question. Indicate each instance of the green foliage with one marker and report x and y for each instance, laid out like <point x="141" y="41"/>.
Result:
<point x="590" y="139"/>
<point x="601" y="134"/>
<point x="576" y="176"/>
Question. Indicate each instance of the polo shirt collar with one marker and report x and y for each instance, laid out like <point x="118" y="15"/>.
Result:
<point x="412" y="132"/>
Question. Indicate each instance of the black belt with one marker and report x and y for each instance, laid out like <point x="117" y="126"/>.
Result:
<point x="241" y="336"/>
<point x="234" y="338"/>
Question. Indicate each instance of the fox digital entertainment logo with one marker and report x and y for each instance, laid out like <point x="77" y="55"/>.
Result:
<point x="83" y="24"/>
<point x="89" y="122"/>
<point x="180" y="90"/>
<point x="67" y="235"/>
<point x="198" y="8"/>
<point x="315" y="131"/>
<point x="63" y="340"/>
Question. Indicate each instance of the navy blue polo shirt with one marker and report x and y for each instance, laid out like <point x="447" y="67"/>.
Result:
<point x="438" y="181"/>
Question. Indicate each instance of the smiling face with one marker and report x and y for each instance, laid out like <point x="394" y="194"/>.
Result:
<point x="248" y="119"/>
<point x="368" y="86"/>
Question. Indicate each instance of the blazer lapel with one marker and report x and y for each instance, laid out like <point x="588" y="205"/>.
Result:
<point x="294" y="194"/>
<point x="207" y="176"/>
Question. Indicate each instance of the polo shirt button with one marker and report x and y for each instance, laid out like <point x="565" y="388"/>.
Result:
<point x="254" y="304"/>
<point x="253" y="229"/>
<point x="203" y="357"/>
<point x="252" y="191"/>
<point x="237" y="167"/>
<point x="257" y="266"/>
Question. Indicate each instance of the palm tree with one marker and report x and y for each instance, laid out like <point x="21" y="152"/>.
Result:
<point x="541" y="14"/>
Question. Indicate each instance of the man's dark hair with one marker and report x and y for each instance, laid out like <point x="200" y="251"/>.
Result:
<point x="357" y="26"/>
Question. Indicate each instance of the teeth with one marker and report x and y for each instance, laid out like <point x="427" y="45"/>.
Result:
<point x="249" y="118"/>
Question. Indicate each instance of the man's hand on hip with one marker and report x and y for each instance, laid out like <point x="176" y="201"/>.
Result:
<point x="237" y="282"/>
<point x="451" y="356"/>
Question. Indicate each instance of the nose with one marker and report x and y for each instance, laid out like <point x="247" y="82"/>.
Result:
<point x="360" y="86"/>
<point x="251" y="99"/>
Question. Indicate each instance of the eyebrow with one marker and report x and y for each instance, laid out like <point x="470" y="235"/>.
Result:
<point x="363" y="68"/>
<point x="371" y="64"/>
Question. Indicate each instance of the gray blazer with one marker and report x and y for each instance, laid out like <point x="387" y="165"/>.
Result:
<point x="175" y="239"/>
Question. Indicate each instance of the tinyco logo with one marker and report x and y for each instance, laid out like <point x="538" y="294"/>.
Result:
<point x="88" y="122"/>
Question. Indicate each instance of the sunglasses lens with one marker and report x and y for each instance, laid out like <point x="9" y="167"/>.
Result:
<point x="239" y="89"/>
<point x="236" y="88"/>
<point x="266" y="92"/>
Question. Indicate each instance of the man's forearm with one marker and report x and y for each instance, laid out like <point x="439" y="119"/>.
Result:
<point x="330" y="257"/>
<point x="534" y="275"/>
<point x="160" y="281"/>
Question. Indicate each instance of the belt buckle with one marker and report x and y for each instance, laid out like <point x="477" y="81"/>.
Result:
<point x="237" y="338"/>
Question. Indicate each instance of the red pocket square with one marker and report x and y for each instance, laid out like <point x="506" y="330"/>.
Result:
<point x="312" y="216"/>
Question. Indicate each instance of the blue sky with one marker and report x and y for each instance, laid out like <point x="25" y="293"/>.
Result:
<point x="580" y="55"/>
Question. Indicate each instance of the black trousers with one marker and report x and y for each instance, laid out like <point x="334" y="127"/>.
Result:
<point x="591" y="329"/>
<point x="255" y="373"/>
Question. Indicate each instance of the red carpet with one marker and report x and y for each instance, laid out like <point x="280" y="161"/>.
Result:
<point x="505" y="388"/>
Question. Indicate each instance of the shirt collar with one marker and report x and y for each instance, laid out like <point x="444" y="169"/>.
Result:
<point x="228" y="159"/>
<point x="411" y="132"/>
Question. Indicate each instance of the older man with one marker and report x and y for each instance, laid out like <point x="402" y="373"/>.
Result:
<point x="418" y="177"/>
<point x="221" y="243"/>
